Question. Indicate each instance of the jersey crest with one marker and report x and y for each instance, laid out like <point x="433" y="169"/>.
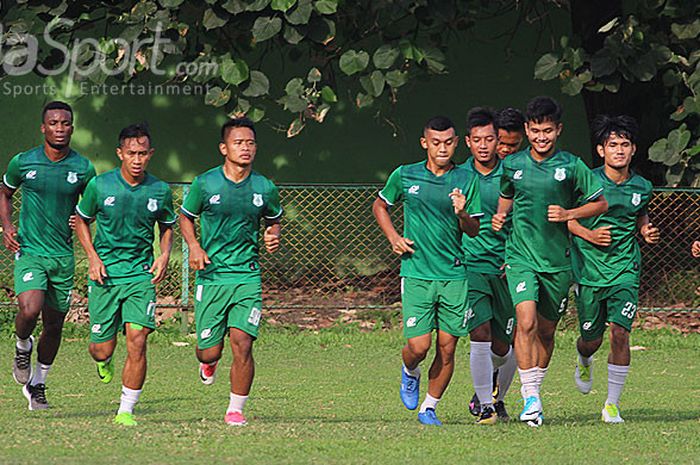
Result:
<point x="72" y="177"/>
<point x="152" y="205"/>
<point x="109" y="201"/>
<point x="636" y="199"/>
<point x="31" y="174"/>
<point x="560" y="174"/>
<point x="258" y="200"/>
<point x="215" y="199"/>
<point x="414" y="189"/>
<point x="518" y="175"/>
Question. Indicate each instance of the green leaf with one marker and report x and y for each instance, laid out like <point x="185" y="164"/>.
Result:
<point x="172" y="4"/>
<point x="266" y="27"/>
<point x="609" y="25"/>
<point x="259" y="85"/>
<point x="314" y="75"/>
<point x="326" y="7"/>
<point x="217" y="97"/>
<point x="294" y="103"/>
<point x="572" y="86"/>
<point x="690" y="106"/>
<point x="435" y="60"/>
<point x="291" y="35"/>
<point x="321" y="30"/>
<point x="603" y="63"/>
<point x="548" y="67"/>
<point x="328" y="95"/>
<point x="352" y="62"/>
<point x="678" y="138"/>
<point x="411" y="52"/>
<point x="643" y="68"/>
<point x="374" y="83"/>
<point x="242" y="107"/>
<point x="396" y="78"/>
<point x="258" y="5"/>
<point x="686" y="31"/>
<point x="364" y="100"/>
<point x="256" y="114"/>
<point x="300" y="14"/>
<point x="385" y="56"/>
<point x="321" y="112"/>
<point x="234" y="6"/>
<point x="658" y="151"/>
<point x="295" y="128"/>
<point x="295" y="87"/>
<point x="282" y="5"/>
<point x="212" y="20"/>
<point x="234" y="71"/>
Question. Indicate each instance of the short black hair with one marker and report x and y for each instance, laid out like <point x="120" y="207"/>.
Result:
<point x="481" y="116"/>
<point x="543" y="108"/>
<point x="439" y="123"/>
<point x="133" y="131"/>
<point x="237" y="123"/>
<point x="56" y="105"/>
<point x="511" y="119"/>
<point x="603" y="126"/>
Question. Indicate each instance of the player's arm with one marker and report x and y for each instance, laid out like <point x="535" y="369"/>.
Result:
<point x="9" y="232"/>
<point x="160" y="264"/>
<point x="649" y="232"/>
<point x="273" y="216"/>
<point x="399" y="244"/>
<point x="594" y="207"/>
<point x="467" y="207"/>
<point x="85" y="214"/>
<point x="601" y="236"/>
<point x="505" y="206"/>
<point x="190" y="210"/>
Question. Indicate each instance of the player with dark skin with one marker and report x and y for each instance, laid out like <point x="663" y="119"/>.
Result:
<point x="511" y="131"/>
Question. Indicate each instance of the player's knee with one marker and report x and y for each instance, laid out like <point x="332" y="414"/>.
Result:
<point x="28" y="310"/>
<point x="419" y="348"/>
<point x="210" y="355"/>
<point x="619" y="336"/>
<point x="481" y="333"/>
<point x="499" y="347"/>
<point x="100" y="352"/>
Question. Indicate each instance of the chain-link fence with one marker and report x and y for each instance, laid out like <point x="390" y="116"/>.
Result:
<point x="333" y="254"/>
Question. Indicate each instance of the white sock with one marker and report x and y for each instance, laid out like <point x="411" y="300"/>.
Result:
<point x="415" y="372"/>
<point x="616" y="381"/>
<point x="541" y="373"/>
<point x="236" y="403"/>
<point x="25" y="345"/>
<point x="40" y="373"/>
<point x="585" y="361"/>
<point x="528" y="379"/>
<point x="129" y="398"/>
<point x="429" y="402"/>
<point x="506" y="373"/>
<point x="481" y="368"/>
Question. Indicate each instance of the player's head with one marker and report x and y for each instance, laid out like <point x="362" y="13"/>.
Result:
<point x="616" y="139"/>
<point x="482" y="134"/>
<point x="543" y="124"/>
<point x="135" y="149"/>
<point x="57" y="124"/>
<point x="439" y="140"/>
<point x="238" y="142"/>
<point x="511" y="131"/>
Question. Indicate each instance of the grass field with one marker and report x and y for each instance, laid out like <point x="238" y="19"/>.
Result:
<point x="332" y="397"/>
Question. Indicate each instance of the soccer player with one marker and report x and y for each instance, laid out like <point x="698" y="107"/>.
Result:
<point x="126" y="202"/>
<point x="230" y="201"/>
<point x="441" y="201"/>
<point x="607" y="261"/>
<point x="542" y="186"/>
<point x="52" y="177"/>
<point x="491" y="315"/>
<point x="511" y="131"/>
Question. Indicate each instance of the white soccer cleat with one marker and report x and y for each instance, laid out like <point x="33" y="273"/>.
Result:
<point x="583" y="376"/>
<point x="611" y="414"/>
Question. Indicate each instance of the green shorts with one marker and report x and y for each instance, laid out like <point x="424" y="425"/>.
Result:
<point x="549" y="290"/>
<point x="218" y="307"/>
<point x="53" y="275"/>
<point x="597" y="306"/>
<point x="489" y="300"/>
<point x="111" y="307"/>
<point x="429" y="305"/>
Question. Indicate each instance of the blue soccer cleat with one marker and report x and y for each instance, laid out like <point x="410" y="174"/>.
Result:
<point x="410" y="390"/>
<point x="532" y="412"/>
<point x="429" y="418"/>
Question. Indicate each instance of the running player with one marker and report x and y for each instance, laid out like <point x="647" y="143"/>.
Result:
<point x="491" y="316"/>
<point x="231" y="200"/>
<point x="127" y="202"/>
<point x="542" y="186"/>
<point x="52" y="177"/>
<point x="441" y="201"/>
<point x="511" y="131"/>
<point x="607" y="261"/>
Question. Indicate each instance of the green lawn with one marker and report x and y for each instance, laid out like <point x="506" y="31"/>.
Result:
<point x="332" y="397"/>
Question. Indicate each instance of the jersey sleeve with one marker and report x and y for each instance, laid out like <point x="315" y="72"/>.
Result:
<point x="166" y="216"/>
<point x="13" y="176"/>
<point x="393" y="190"/>
<point x="89" y="174"/>
<point x="647" y="198"/>
<point x="473" y="195"/>
<point x="87" y="207"/>
<point x="507" y="189"/>
<point x="586" y="183"/>
<point x="192" y="205"/>
<point x="273" y="209"/>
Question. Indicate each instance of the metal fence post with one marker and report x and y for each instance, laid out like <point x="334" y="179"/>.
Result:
<point x="185" y="286"/>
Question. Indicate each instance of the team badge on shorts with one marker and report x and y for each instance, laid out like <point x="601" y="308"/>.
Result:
<point x="636" y="199"/>
<point x="257" y="200"/>
<point x="152" y="205"/>
<point x="72" y="177"/>
<point x="560" y="174"/>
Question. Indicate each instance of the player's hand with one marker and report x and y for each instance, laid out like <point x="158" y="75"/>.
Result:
<point x="695" y="249"/>
<point x="401" y="245"/>
<point x="71" y="222"/>
<point x="9" y="235"/>
<point x="271" y="240"/>
<point x="459" y="200"/>
<point x="198" y="259"/>
<point x="557" y="214"/>
<point x="497" y="221"/>
<point x="650" y="233"/>
<point x="96" y="270"/>
<point x="159" y="269"/>
<point x="601" y="237"/>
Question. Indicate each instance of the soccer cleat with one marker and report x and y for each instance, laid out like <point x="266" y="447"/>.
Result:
<point x="429" y="418"/>
<point x="488" y="417"/>
<point x="235" y="419"/>
<point x="105" y="370"/>
<point x="207" y="373"/>
<point x="501" y="412"/>
<point x="22" y="366"/>
<point x="537" y="422"/>
<point x="125" y="419"/>
<point x="532" y="409"/>
<point x="410" y="390"/>
<point x="36" y="395"/>
<point x="475" y="406"/>
<point x="611" y="414"/>
<point x="583" y="376"/>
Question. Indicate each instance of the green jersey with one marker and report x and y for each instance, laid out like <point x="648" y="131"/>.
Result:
<point x="620" y="262"/>
<point x="486" y="252"/>
<point x="230" y="216"/>
<point x="125" y="217"/>
<point x="562" y="179"/>
<point x="50" y="191"/>
<point x="430" y="220"/>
